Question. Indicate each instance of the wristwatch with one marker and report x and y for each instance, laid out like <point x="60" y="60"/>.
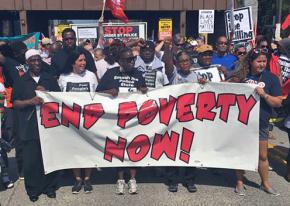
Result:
<point x="265" y="96"/>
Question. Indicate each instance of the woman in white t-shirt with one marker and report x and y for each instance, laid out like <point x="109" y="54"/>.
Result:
<point x="77" y="79"/>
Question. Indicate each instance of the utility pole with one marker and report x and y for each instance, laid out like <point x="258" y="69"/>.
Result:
<point x="279" y="4"/>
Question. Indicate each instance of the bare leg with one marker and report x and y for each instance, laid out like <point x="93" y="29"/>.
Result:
<point x="121" y="174"/>
<point x="240" y="177"/>
<point x="133" y="173"/>
<point x="263" y="163"/>
<point x="77" y="173"/>
<point x="88" y="172"/>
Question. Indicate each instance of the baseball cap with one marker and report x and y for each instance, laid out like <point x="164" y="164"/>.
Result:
<point x="148" y="45"/>
<point x="204" y="48"/>
<point x="31" y="52"/>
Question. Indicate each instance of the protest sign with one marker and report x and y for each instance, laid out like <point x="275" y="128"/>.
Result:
<point x="31" y="40"/>
<point x="131" y="30"/>
<point x="122" y="31"/>
<point x="206" y="21"/>
<point x="211" y="74"/>
<point x="58" y="31"/>
<point x="165" y="29"/>
<point x="213" y="125"/>
<point x="243" y="24"/>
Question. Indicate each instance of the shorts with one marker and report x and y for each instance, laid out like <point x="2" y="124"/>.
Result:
<point x="264" y="133"/>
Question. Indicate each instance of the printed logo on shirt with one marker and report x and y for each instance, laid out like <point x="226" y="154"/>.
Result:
<point x="251" y="81"/>
<point x="126" y="81"/>
<point x="150" y="78"/>
<point x="78" y="87"/>
<point x="285" y="68"/>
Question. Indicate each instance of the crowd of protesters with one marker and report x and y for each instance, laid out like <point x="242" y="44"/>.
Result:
<point x="64" y="66"/>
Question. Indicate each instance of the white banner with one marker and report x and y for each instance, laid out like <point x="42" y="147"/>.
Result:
<point x="206" y="21"/>
<point x="211" y="125"/>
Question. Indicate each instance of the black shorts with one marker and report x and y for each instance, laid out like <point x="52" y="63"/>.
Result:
<point x="264" y="133"/>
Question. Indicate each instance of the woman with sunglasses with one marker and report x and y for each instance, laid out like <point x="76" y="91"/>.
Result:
<point x="273" y="65"/>
<point x="268" y="88"/>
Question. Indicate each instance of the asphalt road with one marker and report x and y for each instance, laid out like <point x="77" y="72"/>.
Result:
<point x="215" y="187"/>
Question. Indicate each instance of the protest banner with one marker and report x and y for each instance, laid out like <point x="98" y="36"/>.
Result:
<point x="206" y="21"/>
<point x="165" y="29"/>
<point x="243" y="24"/>
<point x="211" y="125"/>
<point x="31" y="40"/>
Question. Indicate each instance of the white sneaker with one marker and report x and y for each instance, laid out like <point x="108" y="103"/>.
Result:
<point x="120" y="187"/>
<point x="132" y="186"/>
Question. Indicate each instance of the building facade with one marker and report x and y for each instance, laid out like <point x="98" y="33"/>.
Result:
<point x="25" y="16"/>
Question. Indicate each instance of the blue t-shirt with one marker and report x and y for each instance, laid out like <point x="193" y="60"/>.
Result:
<point x="271" y="86"/>
<point x="228" y="61"/>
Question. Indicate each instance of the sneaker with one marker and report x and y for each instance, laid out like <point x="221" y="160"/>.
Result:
<point x="21" y="175"/>
<point x="120" y="187"/>
<point x="191" y="187"/>
<point x="132" y="186"/>
<point x="77" y="187"/>
<point x="172" y="187"/>
<point x="88" y="186"/>
<point x="271" y="191"/>
<point x="7" y="182"/>
<point x="241" y="191"/>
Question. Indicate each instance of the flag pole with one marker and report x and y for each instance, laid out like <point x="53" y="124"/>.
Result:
<point x="104" y="4"/>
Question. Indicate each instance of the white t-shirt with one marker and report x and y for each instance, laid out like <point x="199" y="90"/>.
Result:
<point x="85" y="82"/>
<point x="36" y="79"/>
<point x="102" y="66"/>
<point x="2" y="88"/>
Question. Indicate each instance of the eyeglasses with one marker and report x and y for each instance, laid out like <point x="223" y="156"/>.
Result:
<point x="184" y="61"/>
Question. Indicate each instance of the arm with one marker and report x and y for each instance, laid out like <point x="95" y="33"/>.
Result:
<point x="20" y="104"/>
<point x="168" y="60"/>
<point x="101" y="33"/>
<point x="270" y="100"/>
<point x="158" y="48"/>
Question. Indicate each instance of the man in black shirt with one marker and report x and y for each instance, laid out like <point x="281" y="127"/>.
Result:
<point x="24" y="100"/>
<point x="124" y="79"/>
<point x="69" y="44"/>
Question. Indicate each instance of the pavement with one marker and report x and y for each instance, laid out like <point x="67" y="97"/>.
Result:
<point x="215" y="187"/>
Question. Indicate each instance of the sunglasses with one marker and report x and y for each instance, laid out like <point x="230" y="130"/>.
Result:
<point x="129" y="60"/>
<point x="264" y="46"/>
<point x="241" y="53"/>
<point x="69" y="38"/>
<point x="223" y="43"/>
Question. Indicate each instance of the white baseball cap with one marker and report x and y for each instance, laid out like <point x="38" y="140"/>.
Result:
<point x="31" y="52"/>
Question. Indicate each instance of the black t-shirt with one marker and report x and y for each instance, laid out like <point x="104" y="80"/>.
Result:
<point x="24" y="89"/>
<point x="58" y="61"/>
<point x="124" y="81"/>
<point x="271" y="86"/>
<point x="11" y="71"/>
